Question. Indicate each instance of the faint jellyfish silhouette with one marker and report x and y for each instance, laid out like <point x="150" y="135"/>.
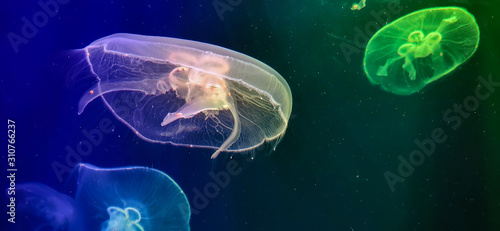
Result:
<point x="43" y="208"/>
<point x="188" y="93"/>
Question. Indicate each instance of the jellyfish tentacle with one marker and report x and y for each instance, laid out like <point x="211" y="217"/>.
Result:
<point x="190" y="109"/>
<point x="235" y="134"/>
<point x="408" y="67"/>
<point x="148" y="86"/>
<point x="382" y="70"/>
<point x="445" y="22"/>
<point x="204" y="91"/>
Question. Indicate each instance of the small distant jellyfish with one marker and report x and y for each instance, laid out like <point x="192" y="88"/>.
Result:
<point x="114" y="199"/>
<point x="419" y="48"/>
<point x="358" y="6"/>
<point x="188" y="93"/>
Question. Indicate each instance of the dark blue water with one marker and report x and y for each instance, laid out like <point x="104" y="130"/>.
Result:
<point x="343" y="135"/>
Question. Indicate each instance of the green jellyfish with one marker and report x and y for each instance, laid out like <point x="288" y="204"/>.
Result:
<point x="420" y="48"/>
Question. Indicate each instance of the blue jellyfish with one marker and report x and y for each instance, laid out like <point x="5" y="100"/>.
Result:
<point x="130" y="199"/>
<point x="116" y="199"/>
<point x="188" y="93"/>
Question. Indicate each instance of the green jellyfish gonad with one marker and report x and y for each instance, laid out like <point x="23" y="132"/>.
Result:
<point x="420" y="48"/>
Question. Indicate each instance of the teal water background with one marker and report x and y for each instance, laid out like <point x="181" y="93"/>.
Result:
<point x="343" y="136"/>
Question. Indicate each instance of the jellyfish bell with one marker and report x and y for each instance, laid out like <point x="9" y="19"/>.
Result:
<point x="188" y="93"/>
<point x="130" y="198"/>
<point x="419" y="48"/>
